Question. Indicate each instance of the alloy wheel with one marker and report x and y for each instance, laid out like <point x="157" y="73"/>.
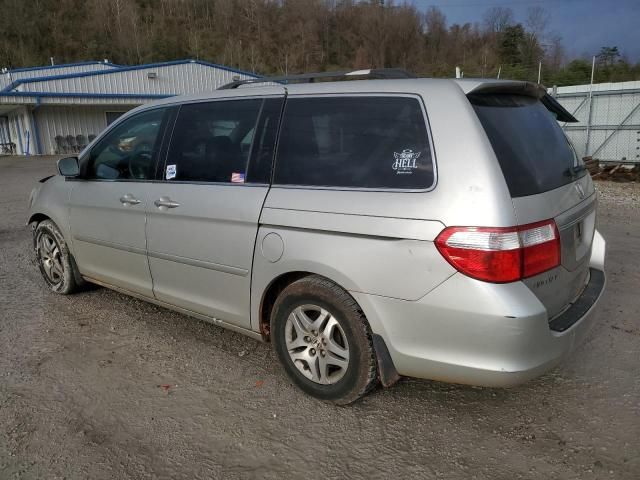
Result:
<point x="51" y="259"/>
<point x="317" y="344"/>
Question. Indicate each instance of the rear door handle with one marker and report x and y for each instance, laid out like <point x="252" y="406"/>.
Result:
<point x="166" y="202"/>
<point x="129" y="199"/>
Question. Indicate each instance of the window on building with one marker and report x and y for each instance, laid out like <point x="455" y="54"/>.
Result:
<point x="212" y="141"/>
<point x="128" y="152"/>
<point x="357" y="142"/>
<point x="113" y="116"/>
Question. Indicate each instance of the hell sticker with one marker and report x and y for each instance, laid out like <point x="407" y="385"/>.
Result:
<point x="405" y="162"/>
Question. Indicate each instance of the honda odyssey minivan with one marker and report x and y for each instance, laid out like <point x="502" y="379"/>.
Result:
<point x="369" y="229"/>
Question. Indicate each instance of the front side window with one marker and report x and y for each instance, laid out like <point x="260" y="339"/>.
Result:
<point x="354" y="142"/>
<point x="128" y="151"/>
<point x="212" y="141"/>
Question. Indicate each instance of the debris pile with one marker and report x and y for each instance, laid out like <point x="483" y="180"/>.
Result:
<point x="616" y="172"/>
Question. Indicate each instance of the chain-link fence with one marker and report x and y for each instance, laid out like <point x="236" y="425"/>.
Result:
<point x="609" y="120"/>
<point x="608" y="114"/>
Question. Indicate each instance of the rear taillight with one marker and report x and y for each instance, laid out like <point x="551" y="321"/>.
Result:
<point x="501" y="255"/>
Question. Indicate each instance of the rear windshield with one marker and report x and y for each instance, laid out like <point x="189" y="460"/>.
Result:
<point x="534" y="154"/>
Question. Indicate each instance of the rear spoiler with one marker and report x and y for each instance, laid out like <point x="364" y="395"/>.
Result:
<point x="562" y="114"/>
<point x="530" y="90"/>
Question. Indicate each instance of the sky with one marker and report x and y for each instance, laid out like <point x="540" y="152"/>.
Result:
<point x="584" y="25"/>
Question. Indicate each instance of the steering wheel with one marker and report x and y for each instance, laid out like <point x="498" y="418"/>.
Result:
<point x="139" y="161"/>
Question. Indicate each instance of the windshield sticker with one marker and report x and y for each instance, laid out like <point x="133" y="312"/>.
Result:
<point x="237" y="177"/>
<point x="405" y="161"/>
<point x="171" y="172"/>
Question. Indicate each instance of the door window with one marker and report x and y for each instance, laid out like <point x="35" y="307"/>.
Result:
<point x="355" y="142"/>
<point x="128" y="152"/>
<point x="212" y="141"/>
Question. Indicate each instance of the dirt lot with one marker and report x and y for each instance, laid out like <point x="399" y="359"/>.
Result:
<point x="81" y="391"/>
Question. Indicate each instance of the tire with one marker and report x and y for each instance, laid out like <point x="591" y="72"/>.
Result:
<point x="56" y="263"/>
<point x="315" y="327"/>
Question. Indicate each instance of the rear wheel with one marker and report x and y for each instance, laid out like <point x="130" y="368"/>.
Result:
<point x="324" y="341"/>
<point x="54" y="259"/>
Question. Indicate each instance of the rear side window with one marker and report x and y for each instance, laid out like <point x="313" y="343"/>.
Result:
<point x="212" y="141"/>
<point x="355" y="142"/>
<point x="533" y="151"/>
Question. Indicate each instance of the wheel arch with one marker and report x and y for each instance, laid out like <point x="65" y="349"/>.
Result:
<point x="269" y="296"/>
<point x="283" y="279"/>
<point x="34" y="220"/>
<point x="37" y="218"/>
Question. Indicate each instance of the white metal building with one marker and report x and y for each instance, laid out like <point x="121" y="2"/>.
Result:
<point x="609" y="120"/>
<point x="59" y="109"/>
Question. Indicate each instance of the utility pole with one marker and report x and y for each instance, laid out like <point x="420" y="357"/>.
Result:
<point x="539" y="71"/>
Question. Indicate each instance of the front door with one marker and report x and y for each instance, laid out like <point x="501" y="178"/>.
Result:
<point x="203" y="217"/>
<point x="108" y="202"/>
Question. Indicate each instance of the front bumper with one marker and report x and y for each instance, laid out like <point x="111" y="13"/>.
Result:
<point x="471" y="332"/>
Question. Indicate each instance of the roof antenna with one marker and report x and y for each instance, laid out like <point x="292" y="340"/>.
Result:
<point x="52" y="62"/>
<point x="458" y="73"/>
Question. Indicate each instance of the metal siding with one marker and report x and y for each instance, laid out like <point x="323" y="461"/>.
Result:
<point x="5" y="137"/>
<point x="7" y="78"/>
<point x="71" y="120"/>
<point x="172" y="79"/>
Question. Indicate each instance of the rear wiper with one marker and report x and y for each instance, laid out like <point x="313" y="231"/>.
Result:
<point x="575" y="170"/>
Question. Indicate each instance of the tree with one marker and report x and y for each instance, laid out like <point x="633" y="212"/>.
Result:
<point x="608" y="56"/>
<point x="511" y="40"/>
<point x="293" y="36"/>
<point x="496" y="19"/>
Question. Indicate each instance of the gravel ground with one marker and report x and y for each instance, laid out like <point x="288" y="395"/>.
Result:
<point x="100" y="385"/>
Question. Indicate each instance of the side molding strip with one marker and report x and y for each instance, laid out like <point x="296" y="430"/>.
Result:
<point x="242" y="272"/>
<point x="104" y="243"/>
<point x="200" y="263"/>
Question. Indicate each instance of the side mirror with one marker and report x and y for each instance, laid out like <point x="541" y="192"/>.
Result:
<point x="68" y="167"/>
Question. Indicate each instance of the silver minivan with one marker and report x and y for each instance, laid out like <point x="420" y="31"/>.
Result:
<point x="369" y="229"/>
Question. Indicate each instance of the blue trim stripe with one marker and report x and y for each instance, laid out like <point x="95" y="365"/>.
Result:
<point x="128" y="69"/>
<point x="63" y="65"/>
<point x="11" y="86"/>
<point x="84" y="95"/>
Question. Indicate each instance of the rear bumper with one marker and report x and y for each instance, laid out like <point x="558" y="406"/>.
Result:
<point x="477" y="333"/>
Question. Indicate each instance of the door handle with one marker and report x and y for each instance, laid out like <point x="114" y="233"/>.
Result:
<point x="166" y="202"/>
<point x="129" y="199"/>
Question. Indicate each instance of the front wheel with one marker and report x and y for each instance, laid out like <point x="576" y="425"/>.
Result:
<point x="323" y="340"/>
<point x="54" y="259"/>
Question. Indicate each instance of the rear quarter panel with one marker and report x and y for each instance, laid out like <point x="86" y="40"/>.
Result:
<point x="381" y="242"/>
<point x="401" y="268"/>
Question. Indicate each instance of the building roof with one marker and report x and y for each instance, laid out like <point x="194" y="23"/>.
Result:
<point x="9" y="77"/>
<point x="135" y="84"/>
<point x="62" y="65"/>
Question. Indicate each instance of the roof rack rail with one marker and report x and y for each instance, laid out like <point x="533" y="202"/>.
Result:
<point x="370" y="73"/>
